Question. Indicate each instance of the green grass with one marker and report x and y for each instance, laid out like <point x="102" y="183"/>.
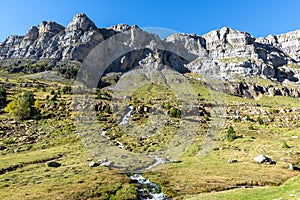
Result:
<point x="73" y="180"/>
<point x="289" y="190"/>
<point x="233" y="60"/>
<point x="197" y="176"/>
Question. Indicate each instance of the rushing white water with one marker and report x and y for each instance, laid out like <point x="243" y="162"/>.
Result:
<point x="126" y="118"/>
<point x="120" y="145"/>
<point x="148" y="189"/>
<point x="157" y="161"/>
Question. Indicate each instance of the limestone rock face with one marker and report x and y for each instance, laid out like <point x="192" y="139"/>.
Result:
<point x="225" y="52"/>
<point x="50" y="40"/>
<point x="81" y="22"/>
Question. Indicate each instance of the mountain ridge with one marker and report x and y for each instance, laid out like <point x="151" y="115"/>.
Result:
<point x="227" y="52"/>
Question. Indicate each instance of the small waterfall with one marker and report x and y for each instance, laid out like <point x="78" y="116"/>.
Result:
<point x="126" y="118"/>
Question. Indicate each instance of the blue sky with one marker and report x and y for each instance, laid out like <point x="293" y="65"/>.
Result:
<point x="258" y="17"/>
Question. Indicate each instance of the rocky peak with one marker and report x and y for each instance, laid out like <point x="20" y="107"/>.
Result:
<point x="81" y="22"/>
<point x="122" y="27"/>
<point x="227" y="36"/>
<point x="32" y="33"/>
<point x="271" y="40"/>
<point x="50" y="27"/>
<point x="193" y="43"/>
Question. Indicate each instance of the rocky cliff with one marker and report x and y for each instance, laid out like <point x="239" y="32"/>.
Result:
<point x="226" y="52"/>
<point x="50" y="40"/>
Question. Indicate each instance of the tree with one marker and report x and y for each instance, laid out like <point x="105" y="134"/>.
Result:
<point x="23" y="107"/>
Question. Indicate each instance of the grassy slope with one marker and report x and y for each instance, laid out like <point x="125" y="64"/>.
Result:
<point x="75" y="180"/>
<point x="289" y="190"/>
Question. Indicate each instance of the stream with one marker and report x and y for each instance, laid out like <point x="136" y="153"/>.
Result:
<point x="147" y="189"/>
<point x="127" y="116"/>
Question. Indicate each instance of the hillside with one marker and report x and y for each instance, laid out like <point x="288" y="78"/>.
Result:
<point x="88" y="112"/>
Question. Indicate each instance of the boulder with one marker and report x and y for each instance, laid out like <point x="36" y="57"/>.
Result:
<point x="293" y="167"/>
<point x="53" y="164"/>
<point x="93" y="164"/>
<point x="232" y="160"/>
<point x="263" y="159"/>
<point x="107" y="164"/>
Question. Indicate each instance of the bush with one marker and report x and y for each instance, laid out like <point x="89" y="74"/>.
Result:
<point x="54" y="98"/>
<point x="238" y="119"/>
<point x="23" y="107"/>
<point x="66" y="89"/>
<point x="175" y="113"/>
<point x="250" y="127"/>
<point x="260" y="121"/>
<point x="248" y="118"/>
<point x="230" y="134"/>
<point x="106" y="109"/>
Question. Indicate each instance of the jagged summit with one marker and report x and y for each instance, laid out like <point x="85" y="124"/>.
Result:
<point x="122" y="27"/>
<point x="81" y="22"/>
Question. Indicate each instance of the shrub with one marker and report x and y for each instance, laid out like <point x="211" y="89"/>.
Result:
<point x="54" y="98"/>
<point x="175" y="113"/>
<point x="135" y="101"/>
<point x="106" y="108"/>
<point x="230" y="134"/>
<point x="238" y="119"/>
<point x="168" y="106"/>
<point x="248" y="118"/>
<point x="260" y="120"/>
<point x="250" y="127"/>
<point x="66" y="89"/>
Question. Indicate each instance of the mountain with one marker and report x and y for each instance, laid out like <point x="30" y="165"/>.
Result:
<point x="50" y="40"/>
<point x="228" y="52"/>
